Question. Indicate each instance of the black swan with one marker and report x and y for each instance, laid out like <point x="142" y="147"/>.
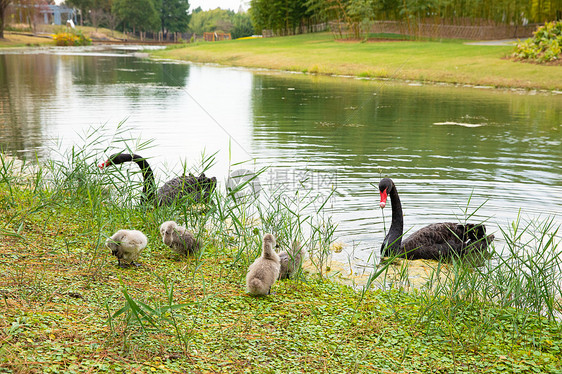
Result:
<point x="263" y="273"/>
<point x="437" y="241"/>
<point x="290" y="260"/>
<point x="127" y="245"/>
<point x="178" y="238"/>
<point x="198" y="189"/>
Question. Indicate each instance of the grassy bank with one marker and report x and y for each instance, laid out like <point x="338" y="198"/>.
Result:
<point x="20" y="39"/>
<point x="66" y="306"/>
<point x="24" y="38"/>
<point x="449" y="61"/>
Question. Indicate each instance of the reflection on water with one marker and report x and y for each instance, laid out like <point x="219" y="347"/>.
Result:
<point x="443" y="146"/>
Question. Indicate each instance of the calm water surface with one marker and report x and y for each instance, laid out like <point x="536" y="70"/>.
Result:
<point x="443" y="146"/>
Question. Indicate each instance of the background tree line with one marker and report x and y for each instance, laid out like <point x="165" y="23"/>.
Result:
<point x="221" y="20"/>
<point x="161" y="15"/>
<point x="167" y="16"/>
<point x="292" y="16"/>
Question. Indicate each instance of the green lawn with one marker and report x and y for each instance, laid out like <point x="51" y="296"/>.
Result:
<point x="13" y="40"/>
<point x="27" y="39"/>
<point x="433" y="61"/>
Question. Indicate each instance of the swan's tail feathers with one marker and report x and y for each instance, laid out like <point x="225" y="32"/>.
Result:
<point x="192" y="244"/>
<point x="472" y="231"/>
<point x="295" y="256"/>
<point x="476" y="233"/>
<point x="477" y="250"/>
<point x="392" y="248"/>
<point x="257" y="287"/>
<point x="197" y="244"/>
<point x="482" y="243"/>
<point x="206" y="186"/>
<point x="290" y="260"/>
<point x="201" y="188"/>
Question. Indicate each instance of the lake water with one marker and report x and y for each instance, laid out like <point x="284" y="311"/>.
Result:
<point x="443" y="146"/>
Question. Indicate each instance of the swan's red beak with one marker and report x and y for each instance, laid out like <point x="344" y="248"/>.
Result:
<point x="102" y="165"/>
<point x="383" y="199"/>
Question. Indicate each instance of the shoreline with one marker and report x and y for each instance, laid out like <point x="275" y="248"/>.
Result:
<point x="451" y="63"/>
<point x="393" y="80"/>
<point x="406" y="82"/>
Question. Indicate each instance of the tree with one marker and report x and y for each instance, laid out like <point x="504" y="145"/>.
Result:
<point x="100" y="12"/>
<point x="26" y="9"/>
<point x="223" y="20"/>
<point x="96" y="17"/>
<point x="137" y="14"/>
<point x="96" y="11"/>
<point x="174" y="16"/>
<point x="281" y="16"/>
<point x="3" y="7"/>
<point x="83" y="5"/>
<point x="241" y="25"/>
<point x="211" y="20"/>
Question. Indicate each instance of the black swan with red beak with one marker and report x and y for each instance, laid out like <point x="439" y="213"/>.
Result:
<point x="438" y="241"/>
<point x="195" y="189"/>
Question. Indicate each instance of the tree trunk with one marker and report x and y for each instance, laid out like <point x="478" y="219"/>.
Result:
<point x="3" y="7"/>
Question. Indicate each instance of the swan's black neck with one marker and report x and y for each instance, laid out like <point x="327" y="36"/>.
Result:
<point x="149" y="185"/>
<point x="393" y="240"/>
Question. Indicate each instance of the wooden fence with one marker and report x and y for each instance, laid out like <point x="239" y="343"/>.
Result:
<point x="450" y="29"/>
<point x="298" y="30"/>
<point x="216" y="36"/>
<point x="146" y="36"/>
<point x="462" y="29"/>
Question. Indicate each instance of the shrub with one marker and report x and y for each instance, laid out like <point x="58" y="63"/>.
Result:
<point x="72" y="38"/>
<point x="544" y="46"/>
<point x="21" y="27"/>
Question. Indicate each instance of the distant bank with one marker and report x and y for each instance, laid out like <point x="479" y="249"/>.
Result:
<point x="439" y="61"/>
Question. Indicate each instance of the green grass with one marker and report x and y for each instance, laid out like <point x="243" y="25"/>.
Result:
<point x="448" y="61"/>
<point x="66" y="306"/>
<point x="14" y="39"/>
